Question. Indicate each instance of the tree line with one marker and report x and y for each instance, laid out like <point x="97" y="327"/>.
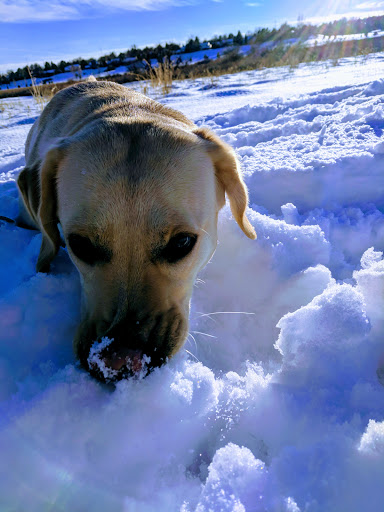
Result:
<point x="286" y="31"/>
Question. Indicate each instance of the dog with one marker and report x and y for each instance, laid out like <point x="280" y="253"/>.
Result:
<point x="136" y="188"/>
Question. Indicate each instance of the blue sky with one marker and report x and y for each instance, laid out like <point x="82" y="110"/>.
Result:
<point x="39" y="30"/>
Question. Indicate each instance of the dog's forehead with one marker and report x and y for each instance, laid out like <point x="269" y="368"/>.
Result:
<point x="172" y="190"/>
<point x="164" y="185"/>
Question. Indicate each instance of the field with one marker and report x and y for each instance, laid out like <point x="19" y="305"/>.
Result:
<point x="277" y="402"/>
<point x="214" y="63"/>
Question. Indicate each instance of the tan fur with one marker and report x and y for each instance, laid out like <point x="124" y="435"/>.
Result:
<point x="127" y="173"/>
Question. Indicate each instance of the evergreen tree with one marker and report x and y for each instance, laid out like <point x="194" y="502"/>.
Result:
<point x="238" y="39"/>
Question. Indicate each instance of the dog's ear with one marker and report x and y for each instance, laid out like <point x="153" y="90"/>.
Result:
<point x="50" y="243"/>
<point x="29" y="187"/>
<point x="227" y="170"/>
<point x="37" y="186"/>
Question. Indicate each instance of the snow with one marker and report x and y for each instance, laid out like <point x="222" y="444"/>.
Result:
<point x="210" y="53"/>
<point x="94" y="359"/>
<point x="322" y="39"/>
<point x="278" y="403"/>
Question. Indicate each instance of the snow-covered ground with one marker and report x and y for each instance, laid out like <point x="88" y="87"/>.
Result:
<point x="322" y="39"/>
<point x="184" y="58"/>
<point x="279" y="407"/>
<point x="211" y="54"/>
<point x="64" y="77"/>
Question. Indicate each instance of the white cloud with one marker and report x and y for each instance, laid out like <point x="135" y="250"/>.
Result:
<point x="24" y="10"/>
<point x="370" y="5"/>
<point x="13" y="11"/>
<point x="253" y="4"/>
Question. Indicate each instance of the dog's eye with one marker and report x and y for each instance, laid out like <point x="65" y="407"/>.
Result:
<point x="87" y="251"/>
<point x="178" y="247"/>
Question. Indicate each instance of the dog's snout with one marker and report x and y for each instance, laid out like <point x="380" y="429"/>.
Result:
<point x="147" y="341"/>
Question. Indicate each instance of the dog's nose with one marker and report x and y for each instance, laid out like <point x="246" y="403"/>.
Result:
<point x="110" y="361"/>
<point x="124" y="351"/>
<point x="132" y="359"/>
<point x="137" y="346"/>
<point x="128" y="348"/>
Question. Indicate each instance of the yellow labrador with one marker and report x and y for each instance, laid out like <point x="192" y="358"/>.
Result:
<point x="136" y="188"/>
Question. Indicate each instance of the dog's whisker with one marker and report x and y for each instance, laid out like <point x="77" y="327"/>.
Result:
<point x="206" y="232"/>
<point x="226" y="313"/>
<point x="204" y="334"/>
<point x="193" y="355"/>
<point x="208" y="316"/>
<point x="193" y="338"/>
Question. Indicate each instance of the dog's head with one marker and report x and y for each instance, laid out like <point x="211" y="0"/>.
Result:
<point x="138" y="207"/>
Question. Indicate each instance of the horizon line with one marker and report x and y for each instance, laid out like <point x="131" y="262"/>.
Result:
<point x="13" y="66"/>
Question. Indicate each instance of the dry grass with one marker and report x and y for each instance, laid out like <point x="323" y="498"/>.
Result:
<point x="162" y="76"/>
<point x="47" y="90"/>
<point x="42" y="95"/>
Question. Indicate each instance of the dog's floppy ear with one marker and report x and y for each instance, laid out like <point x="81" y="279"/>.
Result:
<point x="29" y="186"/>
<point x="37" y="186"/>
<point x="228" y="173"/>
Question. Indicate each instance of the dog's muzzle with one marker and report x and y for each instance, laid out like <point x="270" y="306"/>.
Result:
<point x="134" y="345"/>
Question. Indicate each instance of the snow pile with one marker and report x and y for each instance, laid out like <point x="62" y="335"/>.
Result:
<point x="276" y="404"/>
